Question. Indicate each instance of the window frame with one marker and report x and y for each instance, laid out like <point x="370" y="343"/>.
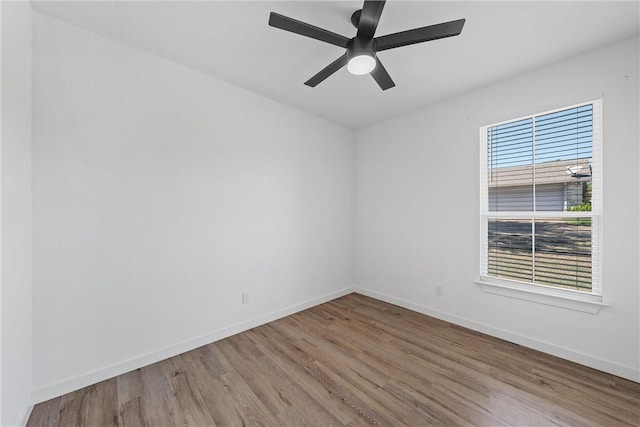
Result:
<point x="547" y="294"/>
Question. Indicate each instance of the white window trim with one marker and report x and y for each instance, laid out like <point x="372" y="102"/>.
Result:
<point x="548" y="295"/>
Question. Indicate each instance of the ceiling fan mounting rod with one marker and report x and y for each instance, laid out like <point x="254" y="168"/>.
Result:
<point x="355" y="18"/>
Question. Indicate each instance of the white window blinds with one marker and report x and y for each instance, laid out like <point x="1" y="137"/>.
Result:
<point x="541" y="199"/>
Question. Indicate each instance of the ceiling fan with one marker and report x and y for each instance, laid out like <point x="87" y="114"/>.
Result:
<point x="360" y="56"/>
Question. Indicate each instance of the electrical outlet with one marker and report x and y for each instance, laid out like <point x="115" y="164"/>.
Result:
<point x="245" y="297"/>
<point x="439" y="290"/>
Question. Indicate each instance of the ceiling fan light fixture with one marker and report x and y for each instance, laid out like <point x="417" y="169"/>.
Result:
<point x="361" y="55"/>
<point x="361" y="64"/>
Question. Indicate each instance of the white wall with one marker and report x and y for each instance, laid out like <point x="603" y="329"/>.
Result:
<point x="15" y="209"/>
<point x="417" y="207"/>
<point x="160" y="194"/>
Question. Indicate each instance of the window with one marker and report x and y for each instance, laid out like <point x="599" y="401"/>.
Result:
<point x="541" y="200"/>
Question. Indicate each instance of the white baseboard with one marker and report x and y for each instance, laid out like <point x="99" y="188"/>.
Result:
<point x="628" y="372"/>
<point x="71" y="384"/>
<point x="26" y="412"/>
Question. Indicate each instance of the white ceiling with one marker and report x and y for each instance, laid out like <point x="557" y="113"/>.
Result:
<point x="232" y="41"/>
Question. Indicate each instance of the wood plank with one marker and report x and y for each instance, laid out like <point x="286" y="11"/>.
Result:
<point x="159" y="405"/>
<point x="130" y="414"/>
<point x="297" y="370"/>
<point x="129" y="386"/>
<point x="207" y="375"/>
<point x="186" y="390"/>
<point x="45" y="414"/>
<point x="69" y="409"/>
<point x="273" y="386"/>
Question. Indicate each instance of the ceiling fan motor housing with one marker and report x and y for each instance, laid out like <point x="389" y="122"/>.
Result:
<point x="361" y="46"/>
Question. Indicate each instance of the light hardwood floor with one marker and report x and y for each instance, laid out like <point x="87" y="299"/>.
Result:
<point x="353" y="361"/>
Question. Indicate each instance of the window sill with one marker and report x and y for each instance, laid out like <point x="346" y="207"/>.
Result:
<point x="586" y="303"/>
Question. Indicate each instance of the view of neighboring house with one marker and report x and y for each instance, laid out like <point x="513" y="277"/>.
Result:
<point x="560" y="185"/>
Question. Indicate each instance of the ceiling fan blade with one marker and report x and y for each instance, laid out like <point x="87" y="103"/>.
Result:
<point x="289" y="24"/>
<point x="327" y="71"/>
<point x="381" y="76"/>
<point x="419" y="35"/>
<point x="369" y="18"/>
